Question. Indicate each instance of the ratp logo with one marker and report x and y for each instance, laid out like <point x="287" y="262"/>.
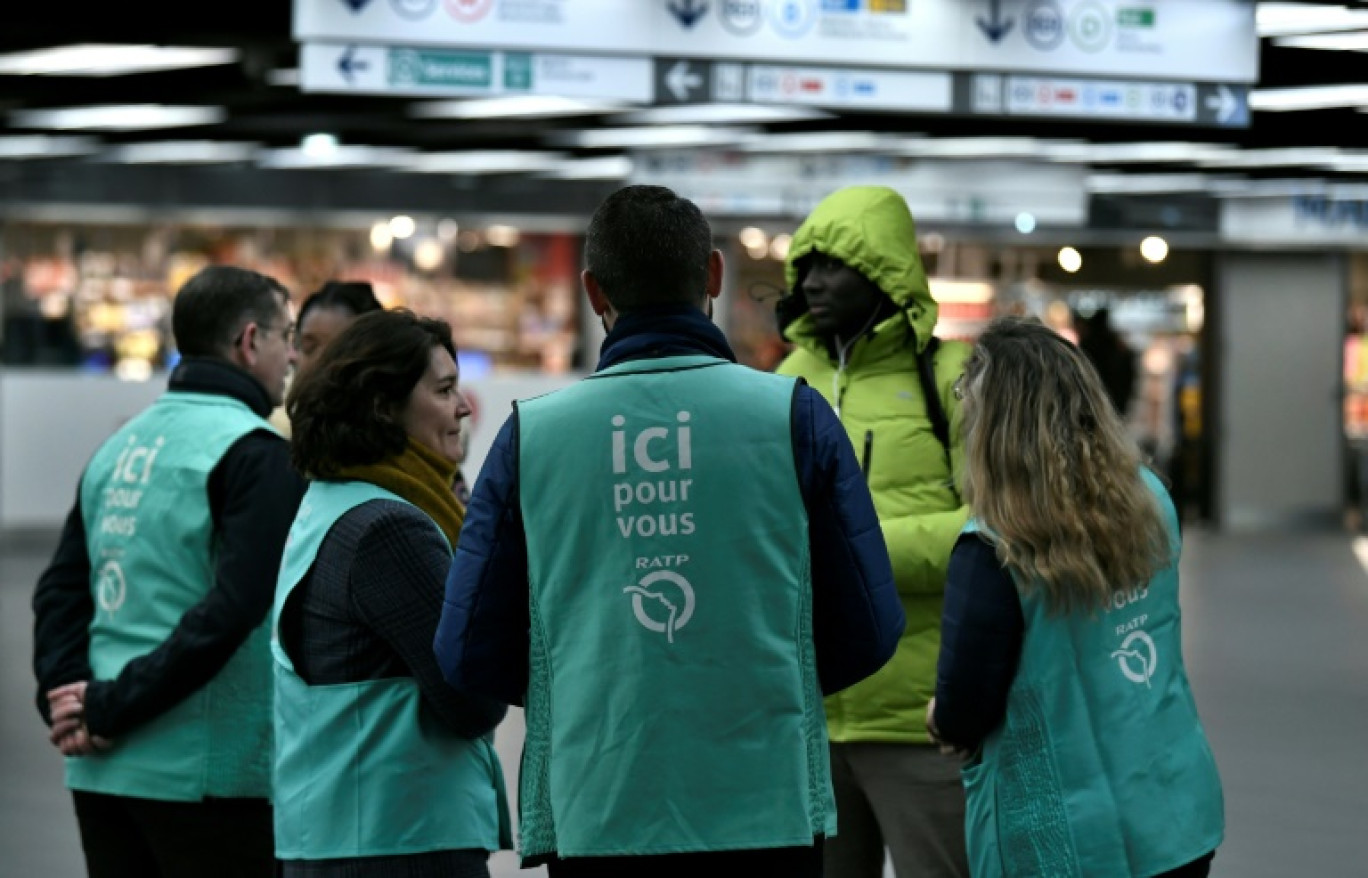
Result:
<point x="659" y="608"/>
<point x="111" y="587"/>
<point x="1044" y="25"/>
<point x="1138" y="657"/>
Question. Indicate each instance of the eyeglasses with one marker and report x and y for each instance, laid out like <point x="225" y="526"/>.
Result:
<point x="287" y="333"/>
<point x="957" y="388"/>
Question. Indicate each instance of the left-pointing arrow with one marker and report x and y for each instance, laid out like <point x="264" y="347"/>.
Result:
<point x="681" y="80"/>
<point x="349" y="65"/>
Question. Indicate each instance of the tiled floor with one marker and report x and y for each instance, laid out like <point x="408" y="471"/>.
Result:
<point x="1277" y="646"/>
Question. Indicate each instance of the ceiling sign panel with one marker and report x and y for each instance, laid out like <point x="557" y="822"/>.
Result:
<point x="1185" y="40"/>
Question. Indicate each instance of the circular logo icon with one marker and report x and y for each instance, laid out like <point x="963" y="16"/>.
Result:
<point x="793" y="18"/>
<point x="660" y="607"/>
<point x="1090" y="27"/>
<point x="1137" y="657"/>
<point x="741" y="17"/>
<point x="1045" y="25"/>
<point x="111" y="587"/>
<point x="414" y="9"/>
<point x="468" y="11"/>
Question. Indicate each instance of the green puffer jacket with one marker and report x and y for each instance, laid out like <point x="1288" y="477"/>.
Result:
<point x="878" y="397"/>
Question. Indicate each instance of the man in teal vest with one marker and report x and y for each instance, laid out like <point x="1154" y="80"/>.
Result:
<point x="151" y="651"/>
<point x="668" y="564"/>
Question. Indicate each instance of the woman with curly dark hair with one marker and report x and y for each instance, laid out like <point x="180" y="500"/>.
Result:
<point x="1061" y="672"/>
<point x="380" y="767"/>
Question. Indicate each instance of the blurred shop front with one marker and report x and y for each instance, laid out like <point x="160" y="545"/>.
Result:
<point x="99" y="297"/>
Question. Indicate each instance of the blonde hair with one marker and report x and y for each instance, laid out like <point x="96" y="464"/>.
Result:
<point x="1051" y="473"/>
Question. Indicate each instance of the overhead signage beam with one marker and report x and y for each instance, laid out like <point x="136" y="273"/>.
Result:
<point x="1192" y="40"/>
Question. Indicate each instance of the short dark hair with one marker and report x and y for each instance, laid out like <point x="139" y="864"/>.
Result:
<point x="344" y="410"/>
<point x="647" y="246"/>
<point x="214" y="306"/>
<point x="357" y="297"/>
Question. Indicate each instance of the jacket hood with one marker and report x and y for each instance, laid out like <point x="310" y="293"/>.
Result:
<point x="870" y="229"/>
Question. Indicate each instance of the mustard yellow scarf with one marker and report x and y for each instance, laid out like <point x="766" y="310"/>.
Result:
<point x="422" y="477"/>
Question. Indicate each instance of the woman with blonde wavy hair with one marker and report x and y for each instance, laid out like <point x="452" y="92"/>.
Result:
<point x="1061" y="677"/>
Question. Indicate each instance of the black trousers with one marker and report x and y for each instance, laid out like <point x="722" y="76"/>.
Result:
<point x="125" y="837"/>
<point x="799" y="862"/>
<point x="1198" y="868"/>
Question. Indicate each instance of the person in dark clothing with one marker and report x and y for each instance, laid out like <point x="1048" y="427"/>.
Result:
<point x="381" y="768"/>
<point x="670" y="609"/>
<point x="150" y="648"/>
<point x="1111" y="356"/>
<point x="327" y="312"/>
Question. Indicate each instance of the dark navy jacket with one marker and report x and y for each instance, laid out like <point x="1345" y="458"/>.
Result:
<point x="482" y="643"/>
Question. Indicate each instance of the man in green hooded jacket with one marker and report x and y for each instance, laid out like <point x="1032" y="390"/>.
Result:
<point x="861" y="316"/>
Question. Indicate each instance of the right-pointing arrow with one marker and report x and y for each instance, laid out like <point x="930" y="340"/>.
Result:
<point x="1224" y="103"/>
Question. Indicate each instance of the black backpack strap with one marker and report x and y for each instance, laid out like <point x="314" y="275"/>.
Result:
<point x="935" y="410"/>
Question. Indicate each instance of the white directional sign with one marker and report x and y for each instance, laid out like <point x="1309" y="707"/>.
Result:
<point x="1108" y="100"/>
<point x="1192" y="40"/>
<point x="431" y="72"/>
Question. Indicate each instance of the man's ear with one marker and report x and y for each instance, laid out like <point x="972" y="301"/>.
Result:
<point x="244" y="351"/>
<point x="597" y="300"/>
<point x="716" y="268"/>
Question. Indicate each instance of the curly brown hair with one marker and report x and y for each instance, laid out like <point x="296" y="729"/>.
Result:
<point x="344" y="411"/>
<point x="1051" y="472"/>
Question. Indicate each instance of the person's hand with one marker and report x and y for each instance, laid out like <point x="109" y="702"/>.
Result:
<point x="69" y="733"/>
<point x="961" y="753"/>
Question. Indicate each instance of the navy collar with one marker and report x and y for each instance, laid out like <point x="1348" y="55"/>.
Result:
<point x="211" y="375"/>
<point x="665" y="331"/>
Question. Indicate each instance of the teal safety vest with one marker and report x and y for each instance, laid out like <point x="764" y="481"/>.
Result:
<point x="149" y="535"/>
<point x="673" y="702"/>
<point x="362" y="769"/>
<point x="1101" y="766"/>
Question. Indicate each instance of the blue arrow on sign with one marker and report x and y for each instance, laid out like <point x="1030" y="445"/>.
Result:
<point x="349" y="65"/>
<point x="688" y="12"/>
<point x="995" y="27"/>
<point x="356" y="5"/>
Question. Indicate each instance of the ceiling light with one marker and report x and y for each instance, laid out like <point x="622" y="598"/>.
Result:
<point x="1289" y="157"/>
<point x="1070" y="260"/>
<point x="721" y="114"/>
<point x="751" y="237"/>
<point x="661" y="136"/>
<point x="1025" y="223"/>
<point x="182" y="152"/>
<point x="1356" y="41"/>
<point x="339" y="157"/>
<point x="976" y="147"/>
<point x="100" y="59"/>
<point x="402" y="226"/>
<point x="38" y="146"/>
<point x="513" y="106"/>
<point x="1314" y="97"/>
<point x="817" y="141"/>
<point x="318" y="146"/>
<point x="1284" y="19"/>
<point x="1161" y="152"/>
<point x="612" y="167"/>
<point x="509" y="161"/>
<point x="1155" y="249"/>
<point x="119" y="117"/>
<point x="447" y="229"/>
<point x="779" y="247"/>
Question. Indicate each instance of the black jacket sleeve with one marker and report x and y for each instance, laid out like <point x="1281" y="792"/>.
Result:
<point x="981" y="633"/>
<point x="857" y="616"/>
<point x="253" y="496"/>
<point x="62" y="611"/>
<point x="397" y="579"/>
